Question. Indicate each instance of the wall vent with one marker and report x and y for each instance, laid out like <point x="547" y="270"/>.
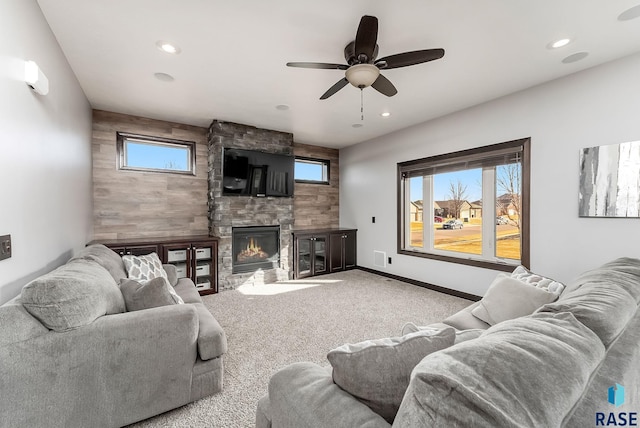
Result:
<point x="379" y="258"/>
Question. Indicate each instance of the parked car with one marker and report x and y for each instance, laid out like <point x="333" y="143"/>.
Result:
<point x="437" y="219"/>
<point x="452" y="224"/>
<point x="501" y="220"/>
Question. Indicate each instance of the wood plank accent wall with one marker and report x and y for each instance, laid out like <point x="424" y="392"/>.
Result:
<point x="317" y="206"/>
<point x="134" y="204"/>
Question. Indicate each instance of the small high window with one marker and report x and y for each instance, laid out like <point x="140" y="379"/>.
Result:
<point x="309" y="170"/>
<point x="155" y="154"/>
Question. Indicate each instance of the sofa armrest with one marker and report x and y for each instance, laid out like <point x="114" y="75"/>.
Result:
<point x="304" y="395"/>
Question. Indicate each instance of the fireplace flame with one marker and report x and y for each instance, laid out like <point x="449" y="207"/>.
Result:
<point x="253" y="252"/>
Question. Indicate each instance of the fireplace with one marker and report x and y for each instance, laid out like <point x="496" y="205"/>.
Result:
<point x="255" y="248"/>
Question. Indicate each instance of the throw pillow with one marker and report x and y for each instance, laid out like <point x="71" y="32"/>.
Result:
<point x="508" y="298"/>
<point x="377" y="372"/>
<point x="145" y="295"/>
<point x="523" y="274"/>
<point x="73" y="295"/>
<point x="147" y="267"/>
<point x="144" y="268"/>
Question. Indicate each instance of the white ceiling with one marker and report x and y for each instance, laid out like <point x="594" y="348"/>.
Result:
<point x="232" y="64"/>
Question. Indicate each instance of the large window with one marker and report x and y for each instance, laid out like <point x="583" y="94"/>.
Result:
<point x="469" y="207"/>
<point x="142" y="153"/>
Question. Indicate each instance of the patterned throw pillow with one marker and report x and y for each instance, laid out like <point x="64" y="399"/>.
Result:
<point x="521" y="273"/>
<point x="146" y="268"/>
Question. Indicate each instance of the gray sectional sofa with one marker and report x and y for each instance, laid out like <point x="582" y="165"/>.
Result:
<point x="71" y="355"/>
<point x="554" y="368"/>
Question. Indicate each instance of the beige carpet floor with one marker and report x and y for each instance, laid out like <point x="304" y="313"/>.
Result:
<point x="271" y="326"/>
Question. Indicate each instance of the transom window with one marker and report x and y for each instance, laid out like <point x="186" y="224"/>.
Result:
<point x="156" y="154"/>
<point x="309" y="170"/>
<point x="469" y="207"/>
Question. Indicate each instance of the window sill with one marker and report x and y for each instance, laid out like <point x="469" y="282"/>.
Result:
<point x="504" y="267"/>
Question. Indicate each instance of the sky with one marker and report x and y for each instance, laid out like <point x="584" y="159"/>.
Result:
<point x="157" y="156"/>
<point x="472" y="178"/>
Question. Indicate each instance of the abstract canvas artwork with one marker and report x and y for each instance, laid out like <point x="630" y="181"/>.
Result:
<point x="610" y="181"/>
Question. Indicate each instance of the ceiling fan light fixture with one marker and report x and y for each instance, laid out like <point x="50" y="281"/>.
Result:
<point x="362" y="75"/>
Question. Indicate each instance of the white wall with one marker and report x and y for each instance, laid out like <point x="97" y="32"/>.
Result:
<point x="45" y="151"/>
<point x="595" y="107"/>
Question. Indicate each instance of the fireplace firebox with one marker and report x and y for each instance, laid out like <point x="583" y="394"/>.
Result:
<point x="255" y="247"/>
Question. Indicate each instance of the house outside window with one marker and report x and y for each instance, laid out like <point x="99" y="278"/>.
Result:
<point x="155" y="154"/>
<point x="469" y="207"/>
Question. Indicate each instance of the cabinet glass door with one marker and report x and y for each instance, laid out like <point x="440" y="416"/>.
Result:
<point x="319" y="254"/>
<point x="304" y="256"/>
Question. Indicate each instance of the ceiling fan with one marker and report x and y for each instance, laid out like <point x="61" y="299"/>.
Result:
<point x="363" y="68"/>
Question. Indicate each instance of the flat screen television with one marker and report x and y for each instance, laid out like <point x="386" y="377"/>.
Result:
<point x="254" y="173"/>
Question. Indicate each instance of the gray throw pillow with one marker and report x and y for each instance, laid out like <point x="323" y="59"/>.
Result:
<point x="508" y="298"/>
<point x="73" y="295"/>
<point x="145" y="295"/>
<point x="147" y="267"/>
<point x="377" y="372"/>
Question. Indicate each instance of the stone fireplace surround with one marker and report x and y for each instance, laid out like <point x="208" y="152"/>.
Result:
<point x="227" y="212"/>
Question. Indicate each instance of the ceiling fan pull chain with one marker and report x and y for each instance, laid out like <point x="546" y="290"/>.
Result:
<point x="361" y="106"/>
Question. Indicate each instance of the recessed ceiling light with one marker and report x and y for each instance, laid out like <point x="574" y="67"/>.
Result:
<point x="164" y="77"/>
<point x="385" y="114"/>
<point x="167" y="47"/>
<point x="628" y="14"/>
<point x="357" y="125"/>
<point x="282" y="107"/>
<point x="575" y="57"/>
<point x="559" y="43"/>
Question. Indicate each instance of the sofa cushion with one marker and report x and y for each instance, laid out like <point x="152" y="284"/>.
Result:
<point x="529" y="371"/>
<point x="624" y="272"/>
<point x="146" y="294"/>
<point x="377" y="372"/>
<point x="508" y="298"/>
<point x="73" y="295"/>
<point x="105" y="257"/>
<point x="525" y="275"/>
<point x="604" y="307"/>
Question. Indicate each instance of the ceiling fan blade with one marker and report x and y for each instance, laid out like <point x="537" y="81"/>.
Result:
<point x="409" y="58"/>
<point x="318" y="65"/>
<point x="384" y="86"/>
<point x="367" y="37"/>
<point x="335" y="88"/>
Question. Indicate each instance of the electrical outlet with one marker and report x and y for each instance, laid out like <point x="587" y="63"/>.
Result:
<point x="389" y="260"/>
<point x="373" y="219"/>
<point x="5" y="247"/>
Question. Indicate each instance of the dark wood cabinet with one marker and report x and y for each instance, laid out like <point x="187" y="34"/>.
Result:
<point x="323" y="251"/>
<point x="342" y="250"/>
<point x="195" y="257"/>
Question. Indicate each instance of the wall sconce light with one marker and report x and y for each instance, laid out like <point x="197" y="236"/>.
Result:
<point x="34" y="77"/>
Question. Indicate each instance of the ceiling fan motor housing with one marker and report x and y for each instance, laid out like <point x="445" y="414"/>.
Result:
<point x="350" y="54"/>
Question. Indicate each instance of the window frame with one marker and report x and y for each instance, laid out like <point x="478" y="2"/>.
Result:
<point x="326" y="166"/>
<point x="122" y="137"/>
<point x="478" y="153"/>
